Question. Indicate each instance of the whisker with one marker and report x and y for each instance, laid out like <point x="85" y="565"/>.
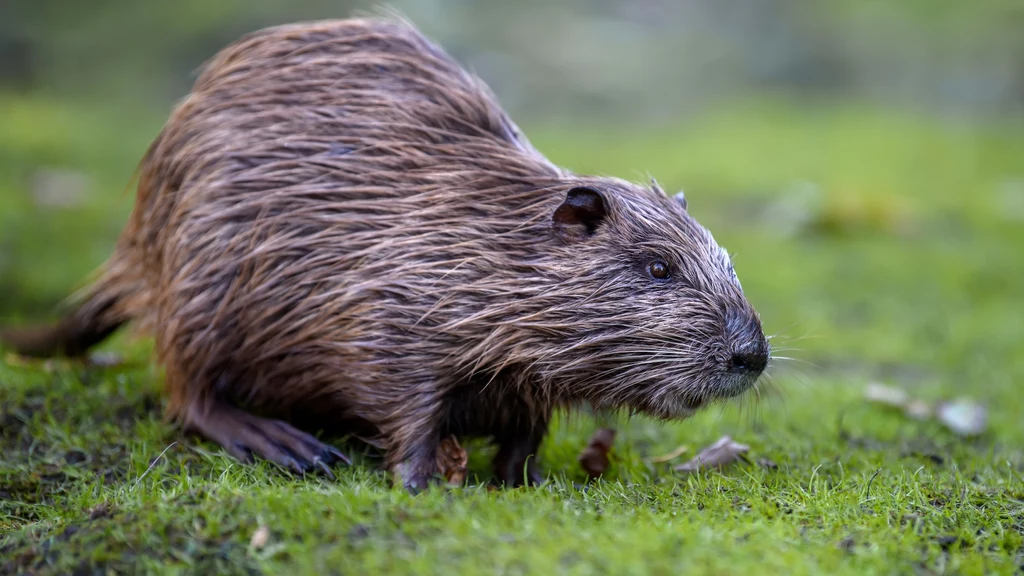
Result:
<point x="798" y="360"/>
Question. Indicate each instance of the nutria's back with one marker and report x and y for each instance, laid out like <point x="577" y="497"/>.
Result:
<point x="341" y="224"/>
<point x="349" y="153"/>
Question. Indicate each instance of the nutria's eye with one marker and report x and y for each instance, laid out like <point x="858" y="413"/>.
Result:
<point x="658" y="270"/>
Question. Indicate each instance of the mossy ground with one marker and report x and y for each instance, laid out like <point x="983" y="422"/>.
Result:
<point x="881" y="246"/>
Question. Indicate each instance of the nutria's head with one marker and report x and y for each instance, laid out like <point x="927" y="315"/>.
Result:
<point x="660" y="323"/>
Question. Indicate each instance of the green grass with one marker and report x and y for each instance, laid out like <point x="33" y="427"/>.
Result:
<point x="905" y="268"/>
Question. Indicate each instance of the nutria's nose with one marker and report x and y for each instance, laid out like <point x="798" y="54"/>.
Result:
<point x="751" y="357"/>
<point x="749" y="349"/>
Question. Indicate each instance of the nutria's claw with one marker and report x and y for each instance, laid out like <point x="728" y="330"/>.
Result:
<point x="294" y="465"/>
<point x="324" y="467"/>
<point x="337" y="455"/>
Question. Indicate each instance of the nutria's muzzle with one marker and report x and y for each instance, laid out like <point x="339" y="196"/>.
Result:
<point x="748" y="352"/>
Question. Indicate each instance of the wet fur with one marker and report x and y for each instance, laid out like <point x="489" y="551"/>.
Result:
<point x="339" y="225"/>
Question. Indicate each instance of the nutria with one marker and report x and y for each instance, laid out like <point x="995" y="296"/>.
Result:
<point x="340" y="225"/>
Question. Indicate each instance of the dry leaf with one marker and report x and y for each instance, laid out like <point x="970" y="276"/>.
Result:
<point x="452" y="460"/>
<point x="101" y="510"/>
<point x="260" y="537"/>
<point x="918" y="409"/>
<point x="671" y="455"/>
<point x="963" y="417"/>
<point x="594" y="458"/>
<point x="887" y="395"/>
<point x="718" y="455"/>
<point x="898" y="398"/>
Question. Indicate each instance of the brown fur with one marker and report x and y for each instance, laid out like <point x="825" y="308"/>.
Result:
<point x="339" y="225"/>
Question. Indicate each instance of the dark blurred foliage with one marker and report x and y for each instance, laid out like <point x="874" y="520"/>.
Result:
<point x="613" y="59"/>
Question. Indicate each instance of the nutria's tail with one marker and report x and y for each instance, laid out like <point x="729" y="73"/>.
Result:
<point x="80" y="330"/>
<point x="94" y="315"/>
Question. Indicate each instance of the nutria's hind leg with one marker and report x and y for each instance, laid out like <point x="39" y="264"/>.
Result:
<point x="515" y="464"/>
<point x="244" y="435"/>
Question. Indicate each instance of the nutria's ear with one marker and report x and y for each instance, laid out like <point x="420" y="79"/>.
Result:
<point x="581" y="212"/>
<point x="681" y="198"/>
